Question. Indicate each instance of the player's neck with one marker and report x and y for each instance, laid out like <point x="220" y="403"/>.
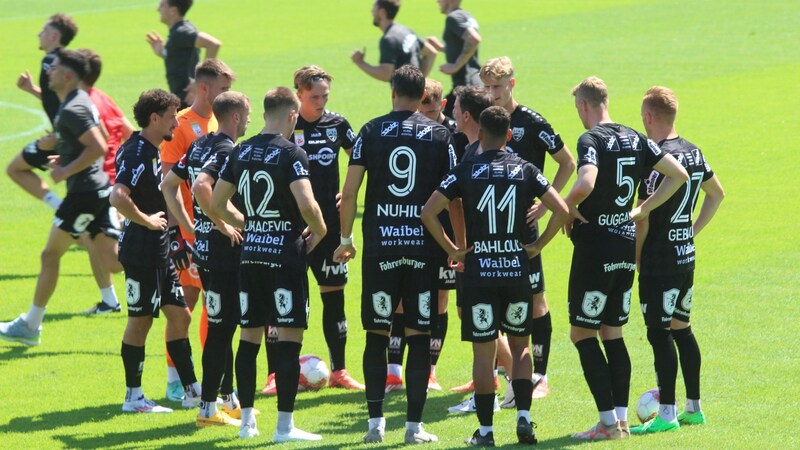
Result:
<point x="228" y="130"/>
<point x="51" y="47"/>
<point x="511" y="105"/>
<point x="172" y="21"/>
<point x="152" y="136"/>
<point x="660" y="134"/>
<point x="202" y="108"/>
<point x="310" y="118"/>
<point x="385" y="25"/>
<point x="404" y="104"/>
<point x="62" y="94"/>
<point x="278" y="128"/>
<point x="472" y="133"/>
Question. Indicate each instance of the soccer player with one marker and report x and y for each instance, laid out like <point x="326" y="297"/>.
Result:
<point x="461" y="40"/>
<point x="611" y="161"/>
<point x="57" y="32"/>
<point x="398" y="45"/>
<point x="212" y="77"/>
<point x="406" y="155"/>
<point x="496" y="189"/>
<point x="216" y="253"/>
<point x="76" y="160"/>
<point x="270" y="175"/>
<point x="181" y="51"/>
<point x="532" y="137"/>
<point x="150" y="278"/>
<point x="665" y="256"/>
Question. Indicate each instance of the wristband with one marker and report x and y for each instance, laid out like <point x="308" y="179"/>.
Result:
<point x="346" y="240"/>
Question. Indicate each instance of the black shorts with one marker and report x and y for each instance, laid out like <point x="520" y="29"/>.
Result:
<point x="666" y="297"/>
<point x="87" y="212"/>
<point x="149" y="288"/>
<point x="536" y="275"/>
<point x="36" y="157"/>
<point x="600" y="282"/>
<point x="487" y="310"/>
<point x="320" y="260"/>
<point x="388" y="280"/>
<point x="276" y="296"/>
<point x="222" y="297"/>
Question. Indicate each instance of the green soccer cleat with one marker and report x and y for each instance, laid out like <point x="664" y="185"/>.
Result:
<point x="695" y="418"/>
<point x="656" y="425"/>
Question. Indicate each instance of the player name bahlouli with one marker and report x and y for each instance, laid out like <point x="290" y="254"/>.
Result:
<point x="497" y="246"/>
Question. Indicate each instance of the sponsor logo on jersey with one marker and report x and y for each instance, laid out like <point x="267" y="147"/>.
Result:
<point x="194" y="153"/>
<point x="382" y="304"/>
<point x="389" y="129"/>
<point x="424" y="132"/>
<point x="514" y="171"/>
<point x="197" y="129"/>
<point x="482" y="316"/>
<point x="610" y="267"/>
<point x="424" y="304"/>
<point x="498" y="170"/>
<point x="332" y="134"/>
<point x="517" y="313"/>
<point x="480" y="171"/>
<point x="283" y="301"/>
<point x="137" y="173"/>
<point x="548" y="139"/>
<point x="594" y="303"/>
<point x="413" y="263"/>
<point x="272" y="155"/>
<point x="299" y="137"/>
<point x="213" y="303"/>
<point x="612" y="145"/>
<point x="681" y="234"/>
<point x="591" y="156"/>
<point x="357" y="149"/>
<point x="299" y="169"/>
<point x="517" y="133"/>
<point x="613" y="220"/>
<point x="654" y="147"/>
<point x="541" y="179"/>
<point x="245" y="153"/>
<point x="210" y="161"/>
<point x="351" y="135"/>
<point x="448" y="181"/>
<point x="325" y="156"/>
<point x="650" y="182"/>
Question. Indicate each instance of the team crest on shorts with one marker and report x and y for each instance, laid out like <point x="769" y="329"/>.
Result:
<point x="382" y="304"/>
<point x="133" y="291"/>
<point x="670" y="299"/>
<point x="283" y="301"/>
<point x="686" y="303"/>
<point x="424" y="304"/>
<point x="482" y="316"/>
<point x="213" y="303"/>
<point x="626" y="301"/>
<point x="517" y="133"/>
<point x="516" y="313"/>
<point x="332" y="134"/>
<point x="594" y="302"/>
<point x="243" y="302"/>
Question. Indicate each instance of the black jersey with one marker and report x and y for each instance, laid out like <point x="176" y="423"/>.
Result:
<point x="669" y="245"/>
<point x="457" y="23"/>
<point x="460" y="140"/>
<point x="50" y="100"/>
<point x="496" y="188"/>
<point x="532" y="137"/>
<point x="322" y="140"/>
<point x="400" y="46"/>
<point x="262" y="168"/>
<point x="212" y="249"/>
<point x="181" y="56"/>
<point x="139" y="169"/>
<point x="77" y="115"/>
<point x="406" y="155"/>
<point x="621" y="156"/>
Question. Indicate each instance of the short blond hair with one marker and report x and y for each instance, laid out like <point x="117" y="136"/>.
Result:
<point x="433" y="89"/>
<point x="228" y="103"/>
<point x="661" y="102"/>
<point x="305" y="77"/>
<point x="211" y="69"/>
<point x="497" y="68"/>
<point x="593" y="90"/>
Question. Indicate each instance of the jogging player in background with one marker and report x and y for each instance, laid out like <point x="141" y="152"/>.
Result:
<point x="282" y="223"/>
<point x="181" y="51"/>
<point x="665" y="255"/>
<point x="611" y="161"/>
<point x="406" y="155"/>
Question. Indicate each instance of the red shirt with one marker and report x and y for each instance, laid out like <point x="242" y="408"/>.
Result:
<point x="112" y="119"/>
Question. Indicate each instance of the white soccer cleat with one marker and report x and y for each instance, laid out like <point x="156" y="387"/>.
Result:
<point x="144" y="405"/>
<point x="420" y="436"/>
<point x="295" y="434"/>
<point x="248" y="430"/>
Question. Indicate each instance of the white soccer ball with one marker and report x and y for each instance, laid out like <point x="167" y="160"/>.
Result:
<point x="314" y="373"/>
<point x="647" y="406"/>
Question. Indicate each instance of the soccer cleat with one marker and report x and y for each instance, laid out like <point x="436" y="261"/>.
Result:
<point x="342" y="379"/>
<point x="17" y="331"/>
<point x="470" y="386"/>
<point x="236" y="413"/>
<point x="525" y="434"/>
<point x="295" y="434"/>
<point x="191" y="401"/>
<point x="601" y="432"/>
<point x="374" y="435"/>
<point x="248" y="430"/>
<point x="144" y="405"/>
<point x="481" y="441"/>
<point x="540" y="389"/>
<point x="102" y="308"/>
<point x="393" y="383"/>
<point x="624" y="430"/>
<point x="655" y="425"/>
<point x="420" y="436"/>
<point x="468" y="406"/>
<point x="218" y="419"/>
<point x="433" y="383"/>
<point x="508" y="400"/>
<point x="270" y="388"/>
<point x="695" y="418"/>
<point x="175" y="391"/>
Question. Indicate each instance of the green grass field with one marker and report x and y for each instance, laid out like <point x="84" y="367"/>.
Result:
<point x="733" y="66"/>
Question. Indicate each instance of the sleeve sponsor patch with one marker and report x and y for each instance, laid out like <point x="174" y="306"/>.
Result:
<point x="299" y="169"/>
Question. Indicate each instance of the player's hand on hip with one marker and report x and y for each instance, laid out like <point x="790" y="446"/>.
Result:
<point x="233" y="233"/>
<point x="311" y="238"/>
<point x="157" y="221"/>
<point x="638" y="214"/>
<point x="531" y="249"/>
<point x="459" y="254"/>
<point x="179" y="249"/>
<point x="448" y="69"/>
<point x="534" y="213"/>
<point x="455" y="265"/>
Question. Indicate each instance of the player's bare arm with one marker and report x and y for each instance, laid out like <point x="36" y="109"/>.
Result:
<point x="382" y="72"/>
<point x="427" y="57"/>
<point x="566" y="165"/>
<point x="208" y="42"/>
<point x="121" y="199"/>
<point x="642" y="228"/>
<point x="156" y="43"/>
<point x="430" y="218"/>
<point x="94" y="149"/>
<point x="674" y="176"/>
<point x="714" y="194"/>
<point x="221" y="205"/>
<point x="170" y="187"/>
<point x="25" y="82"/>
<point x="202" y="189"/>
<point x="584" y="185"/>
<point x="309" y="209"/>
<point x="555" y="203"/>
<point x="471" y="40"/>
<point x="347" y="213"/>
